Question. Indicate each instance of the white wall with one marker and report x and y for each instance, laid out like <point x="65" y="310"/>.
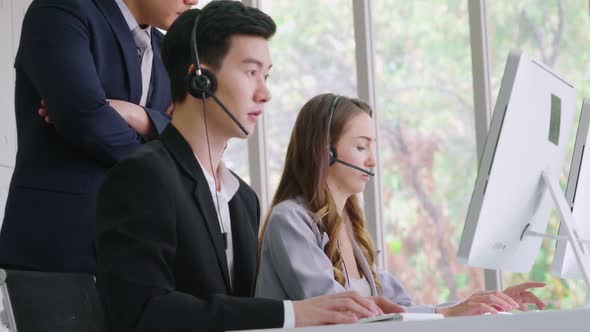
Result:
<point x="11" y="17"/>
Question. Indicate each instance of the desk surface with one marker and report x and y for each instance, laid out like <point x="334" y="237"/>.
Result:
<point x="554" y="321"/>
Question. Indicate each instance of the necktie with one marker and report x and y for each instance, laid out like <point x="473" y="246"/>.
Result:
<point x="144" y="46"/>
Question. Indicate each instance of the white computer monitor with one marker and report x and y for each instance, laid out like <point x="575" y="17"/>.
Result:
<point x="528" y="137"/>
<point x="577" y="195"/>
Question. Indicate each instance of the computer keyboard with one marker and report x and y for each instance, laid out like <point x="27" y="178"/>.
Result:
<point x="405" y="316"/>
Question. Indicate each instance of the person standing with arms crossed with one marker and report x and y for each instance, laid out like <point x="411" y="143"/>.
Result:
<point x="96" y="67"/>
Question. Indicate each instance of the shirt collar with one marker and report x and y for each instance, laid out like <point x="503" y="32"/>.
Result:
<point x="229" y="183"/>
<point x="129" y="18"/>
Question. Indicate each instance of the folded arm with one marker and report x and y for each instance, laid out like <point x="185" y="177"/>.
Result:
<point x="59" y="62"/>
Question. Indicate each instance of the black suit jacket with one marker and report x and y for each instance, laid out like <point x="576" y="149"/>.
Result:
<point x="73" y="54"/>
<point x="161" y="256"/>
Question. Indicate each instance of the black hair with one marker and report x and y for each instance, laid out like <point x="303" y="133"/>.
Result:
<point x="218" y="22"/>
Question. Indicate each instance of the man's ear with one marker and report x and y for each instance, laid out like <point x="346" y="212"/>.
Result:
<point x="191" y="68"/>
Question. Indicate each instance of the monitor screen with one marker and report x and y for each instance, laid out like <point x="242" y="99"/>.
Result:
<point x="528" y="135"/>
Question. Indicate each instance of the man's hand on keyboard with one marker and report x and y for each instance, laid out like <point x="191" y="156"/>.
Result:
<point x="340" y="308"/>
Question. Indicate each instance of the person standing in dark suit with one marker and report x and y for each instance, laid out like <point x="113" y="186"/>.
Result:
<point x="176" y="233"/>
<point x="96" y="65"/>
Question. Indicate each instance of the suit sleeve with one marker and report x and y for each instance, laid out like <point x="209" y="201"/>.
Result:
<point x="159" y="120"/>
<point x="59" y="62"/>
<point x="136" y="248"/>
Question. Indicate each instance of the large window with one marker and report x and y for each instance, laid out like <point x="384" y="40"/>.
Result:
<point x="312" y="53"/>
<point x="424" y="100"/>
<point x="555" y="33"/>
<point x="427" y="143"/>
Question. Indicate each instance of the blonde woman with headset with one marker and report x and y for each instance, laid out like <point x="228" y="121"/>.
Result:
<point x="314" y="240"/>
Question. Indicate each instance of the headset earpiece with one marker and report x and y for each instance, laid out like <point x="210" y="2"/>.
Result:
<point x="206" y="83"/>
<point x="332" y="151"/>
<point x="333" y="155"/>
<point x="203" y="84"/>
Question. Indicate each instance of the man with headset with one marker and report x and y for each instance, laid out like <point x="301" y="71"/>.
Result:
<point x="176" y="233"/>
<point x="95" y="67"/>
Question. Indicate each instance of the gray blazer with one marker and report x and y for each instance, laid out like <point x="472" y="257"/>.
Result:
<point x="293" y="265"/>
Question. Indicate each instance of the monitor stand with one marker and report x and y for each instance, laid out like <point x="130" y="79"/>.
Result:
<point x="569" y="228"/>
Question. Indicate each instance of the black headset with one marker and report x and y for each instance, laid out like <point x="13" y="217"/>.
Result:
<point x="332" y="148"/>
<point x="202" y="83"/>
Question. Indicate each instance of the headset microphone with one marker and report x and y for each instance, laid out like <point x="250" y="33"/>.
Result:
<point x="202" y="83"/>
<point x="334" y="159"/>
<point x="366" y="171"/>
<point x="231" y="116"/>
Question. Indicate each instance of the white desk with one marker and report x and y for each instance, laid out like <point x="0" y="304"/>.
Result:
<point x="550" y="321"/>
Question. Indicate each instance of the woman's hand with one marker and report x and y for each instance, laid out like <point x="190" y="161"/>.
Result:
<point x="522" y="295"/>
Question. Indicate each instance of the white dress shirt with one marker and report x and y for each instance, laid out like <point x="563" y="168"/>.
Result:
<point x="132" y="23"/>
<point x="229" y="187"/>
<point x="129" y="18"/>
